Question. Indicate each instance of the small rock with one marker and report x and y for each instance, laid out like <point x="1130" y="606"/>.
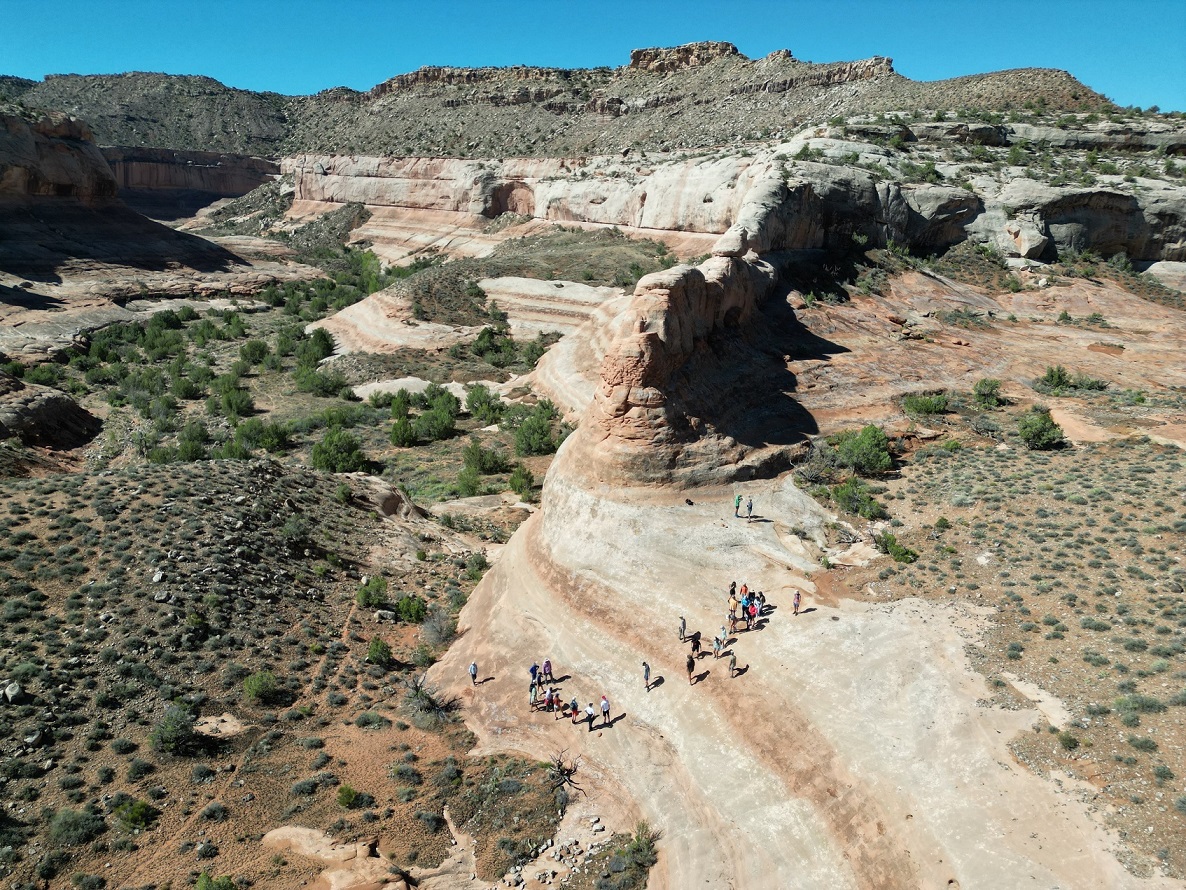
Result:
<point x="158" y="577"/>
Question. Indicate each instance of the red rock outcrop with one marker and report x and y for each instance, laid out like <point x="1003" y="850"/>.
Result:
<point x="166" y="184"/>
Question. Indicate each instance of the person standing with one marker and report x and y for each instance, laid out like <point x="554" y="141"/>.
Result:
<point x="683" y="628"/>
<point x="532" y="693"/>
<point x="691" y="668"/>
<point x="798" y="599"/>
<point x="590" y="715"/>
<point x="696" y="644"/>
<point x="716" y="647"/>
<point x="736" y="506"/>
<point x="646" y="676"/>
<point x="732" y="665"/>
<point x="749" y="508"/>
<point x="547" y="671"/>
<point x="604" y="711"/>
<point x="534" y="671"/>
<point x="753" y="614"/>
<point x="473" y="672"/>
<point x="574" y="710"/>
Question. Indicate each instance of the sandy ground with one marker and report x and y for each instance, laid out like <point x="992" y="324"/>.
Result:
<point x="852" y="752"/>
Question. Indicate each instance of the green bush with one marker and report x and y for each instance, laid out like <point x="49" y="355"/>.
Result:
<point x="925" y="404"/>
<point x="254" y="351"/>
<point x="1142" y="743"/>
<point x="483" y="460"/>
<point x="522" y="482"/>
<point x="206" y="882"/>
<point x="339" y="452"/>
<point x="72" y="828"/>
<point x="261" y="688"/>
<point x="1038" y="430"/>
<point x="534" y="433"/>
<point x="136" y="814"/>
<point x="372" y="594"/>
<point x="888" y="544"/>
<point x="433" y="425"/>
<point x="1068" y="741"/>
<point x="411" y="609"/>
<point x="987" y="393"/>
<point x="865" y="452"/>
<point x="485" y="407"/>
<point x="175" y="733"/>
<point x="853" y="496"/>
<point x="469" y="483"/>
<point x="378" y="652"/>
<point x="403" y="434"/>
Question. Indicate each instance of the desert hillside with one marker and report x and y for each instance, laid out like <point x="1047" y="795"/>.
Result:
<point x="328" y="422"/>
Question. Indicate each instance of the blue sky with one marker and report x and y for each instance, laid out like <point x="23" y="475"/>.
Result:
<point x="1133" y="52"/>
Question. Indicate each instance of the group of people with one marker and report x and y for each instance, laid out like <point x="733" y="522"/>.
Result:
<point x="543" y="694"/>
<point x="749" y="507"/>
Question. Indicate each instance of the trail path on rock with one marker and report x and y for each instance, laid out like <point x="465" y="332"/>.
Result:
<point x="852" y="751"/>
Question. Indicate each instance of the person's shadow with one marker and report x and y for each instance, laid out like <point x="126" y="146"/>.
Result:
<point x="808" y="610"/>
<point x="703" y="675"/>
<point x="741" y="671"/>
<point x="487" y="680"/>
<point x="657" y="682"/>
<point x="612" y="721"/>
<point x="559" y="680"/>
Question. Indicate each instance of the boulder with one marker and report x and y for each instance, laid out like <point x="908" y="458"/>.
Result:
<point x="14" y="694"/>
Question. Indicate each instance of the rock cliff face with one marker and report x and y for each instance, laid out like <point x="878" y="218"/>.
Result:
<point x="58" y="208"/>
<point x="663" y="60"/>
<point x="41" y="415"/>
<point x="51" y="156"/>
<point x="167" y="184"/>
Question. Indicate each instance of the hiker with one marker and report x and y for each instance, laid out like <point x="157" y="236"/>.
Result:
<point x="696" y="644"/>
<point x="753" y="614"/>
<point x="590" y="714"/>
<point x="797" y="600"/>
<point x="724" y="636"/>
<point x="736" y="507"/>
<point x="534" y="671"/>
<point x="691" y="668"/>
<point x="532" y="694"/>
<point x="732" y="590"/>
<point x="683" y="628"/>
<point x="559" y="704"/>
<point x="749" y="508"/>
<point x="744" y="591"/>
<point x="547" y="671"/>
<point x="575" y="710"/>
<point x="732" y="616"/>
<point x="604" y="711"/>
<point x="646" y="676"/>
<point x="716" y="647"/>
<point x="761" y="603"/>
<point x="473" y="672"/>
<point x="732" y="665"/>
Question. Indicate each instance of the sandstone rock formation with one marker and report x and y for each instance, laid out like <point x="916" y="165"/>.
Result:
<point x="663" y="60"/>
<point x="167" y="184"/>
<point x="40" y="415"/>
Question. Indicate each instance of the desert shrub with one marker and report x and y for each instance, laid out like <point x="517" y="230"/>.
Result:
<point x="138" y="768"/>
<point x="534" y="432"/>
<point x="373" y="593"/>
<point x="403" y="433"/>
<point x="434" y="822"/>
<point x="339" y="452"/>
<point x="1140" y="704"/>
<point x="1068" y="741"/>
<point x="206" y="882"/>
<point x="888" y="544"/>
<point x="305" y="787"/>
<point x="88" y="882"/>
<point x="261" y="688"/>
<point x="215" y="812"/>
<point x="483" y="460"/>
<point x="371" y="720"/>
<point x="987" y="393"/>
<point x="485" y="407"/>
<point x="123" y="746"/>
<point x="1038" y="431"/>
<point x="434" y="424"/>
<point x="271" y="436"/>
<point x="254" y="351"/>
<point x="469" y="483"/>
<point x="1142" y="743"/>
<point x="175" y="734"/>
<point x="411" y="609"/>
<point x="378" y="652"/>
<point x="406" y="773"/>
<point x="522" y="481"/>
<point x="1057" y="380"/>
<point x="71" y="828"/>
<point x="136" y="814"/>
<point x="853" y="496"/>
<point x="349" y="798"/>
<point x="476" y="565"/>
<point x="865" y="452"/>
<point x="439" y="628"/>
<point x="924" y="403"/>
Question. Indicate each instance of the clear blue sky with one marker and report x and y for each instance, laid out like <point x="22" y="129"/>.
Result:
<point x="1133" y="51"/>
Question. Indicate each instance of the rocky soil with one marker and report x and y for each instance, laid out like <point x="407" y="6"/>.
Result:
<point x="690" y="97"/>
